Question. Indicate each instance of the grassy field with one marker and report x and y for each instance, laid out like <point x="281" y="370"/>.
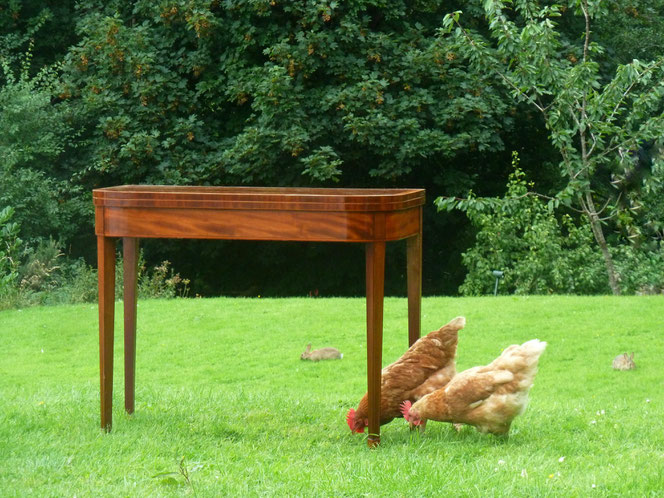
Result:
<point x="225" y="407"/>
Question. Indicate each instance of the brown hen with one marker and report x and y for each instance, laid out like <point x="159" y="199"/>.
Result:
<point x="487" y="397"/>
<point x="429" y="364"/>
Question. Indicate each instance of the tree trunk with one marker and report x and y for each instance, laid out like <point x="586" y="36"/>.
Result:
<point x="596" y="226"/>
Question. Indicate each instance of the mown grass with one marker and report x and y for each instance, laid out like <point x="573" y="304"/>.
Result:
<point x="225" y="407"/>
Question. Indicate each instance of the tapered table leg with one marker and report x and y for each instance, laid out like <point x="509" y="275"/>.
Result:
<point x="414" y="264"/>
<point x="106" y="280"/>
<point x="375" y="274"/>
<point x="130" y="262"/>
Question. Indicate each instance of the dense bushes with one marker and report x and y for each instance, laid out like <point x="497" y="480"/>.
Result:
<point x="359" y="93"/>
<point x="249" y="92"/>
<point x="601" y="123"/>
<point x="40" y="274"/>
<point x="540" y="253"/>
<point x="280" y="93"/>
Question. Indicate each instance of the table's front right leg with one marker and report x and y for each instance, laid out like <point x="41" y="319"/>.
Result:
<point x="375" y="280"/>
<point x="106" y="279"/>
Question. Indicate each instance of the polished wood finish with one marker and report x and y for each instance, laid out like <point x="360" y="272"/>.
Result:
<point x="370" y="216"/>
<point x="414" y="279"/>
<point x="130" y="281"/>
<point x="106" y="279"/>
<point x="375" y="279"/>
<point x="257" y="198"/>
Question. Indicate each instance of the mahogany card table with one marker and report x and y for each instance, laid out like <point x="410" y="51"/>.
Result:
<point x="368" y="216"/>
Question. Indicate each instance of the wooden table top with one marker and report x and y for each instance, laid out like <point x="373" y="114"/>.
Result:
<point x="258" y="198"/>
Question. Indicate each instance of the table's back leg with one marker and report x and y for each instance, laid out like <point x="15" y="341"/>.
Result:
<point x="414" y="271"/>
<point x="130" y="262"/>
<point x="106" y="280"/>
<point x="375" y="268"/>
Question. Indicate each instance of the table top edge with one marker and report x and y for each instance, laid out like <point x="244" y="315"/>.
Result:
<point x="160" y="196"/>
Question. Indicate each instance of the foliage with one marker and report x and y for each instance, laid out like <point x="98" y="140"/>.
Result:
<point x="41" y="275"/>
<point x="265" y="92"/>
<point x="35" y="135"/>
<point x="519" y="235"/>
<point x="47" y="25"/>
<point x="358" y="93"/>
<point x="160" y="282"/>
<point x="37" y="272"/>
<point x="632" y="30"/>
<point x="541" y="253"/>
<point x="641" y="271"/>
<point x="10" y="247"/>
<point x="595" y="127"/>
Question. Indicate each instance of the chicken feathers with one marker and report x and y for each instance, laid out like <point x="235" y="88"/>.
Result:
<point x="429" y="364"/>
<point x="487" y="397"/>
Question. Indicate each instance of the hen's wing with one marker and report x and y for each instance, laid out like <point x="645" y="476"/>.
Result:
<point x="472" y="387"/>
<point x="427" y="365"/>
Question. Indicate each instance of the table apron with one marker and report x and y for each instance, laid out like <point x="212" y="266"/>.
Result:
<point x="322" y="226"/>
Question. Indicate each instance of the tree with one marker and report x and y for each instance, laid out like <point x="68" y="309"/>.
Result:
<point x="596" y="126"/>
<point x="631" y="30"/>
<point x="48" y="25"/>
<point x="271" y="92"/>
<point x="537" y="252"/>
<point x="35" y="135"/>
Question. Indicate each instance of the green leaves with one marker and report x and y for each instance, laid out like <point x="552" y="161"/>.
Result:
<point x="596" y="126"/>
<point x="323" y="164"/>
<point x="10" y="245"/>
<point x="281" y="92"/>
<point x="521" y="235"/>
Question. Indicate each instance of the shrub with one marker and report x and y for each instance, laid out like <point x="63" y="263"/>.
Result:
<point x="641" y="271"/>
<point x="42" y="275"/>
<point x="162" y="282"/>
<point x="35" y="133"/>
<point x="10" y="247"/>
<point x="538" y="253"/>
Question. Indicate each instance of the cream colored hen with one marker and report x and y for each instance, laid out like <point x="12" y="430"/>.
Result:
<point x="487" y="397"/>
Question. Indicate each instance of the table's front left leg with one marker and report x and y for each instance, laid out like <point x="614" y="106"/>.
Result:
<point x="130" y="278"/>
<point x="106" y="280"/>
<point x="375" y="275"/>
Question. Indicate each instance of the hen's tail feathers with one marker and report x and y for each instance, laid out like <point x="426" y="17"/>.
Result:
<point x="405" y="409"/>
<point x="521" y="359"/>
<point x="534" y="346"/>
<point x="457" y="323"/>
<point x="532" y="350"/>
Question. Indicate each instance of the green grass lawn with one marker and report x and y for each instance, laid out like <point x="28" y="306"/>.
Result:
<point x="225" y="407"/>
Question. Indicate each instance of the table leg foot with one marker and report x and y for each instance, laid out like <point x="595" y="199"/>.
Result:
<point x="373" y="441"/>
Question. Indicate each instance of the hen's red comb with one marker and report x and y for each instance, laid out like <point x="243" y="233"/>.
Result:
<point x="350" y="420"/>
<point x="405" y="409"/>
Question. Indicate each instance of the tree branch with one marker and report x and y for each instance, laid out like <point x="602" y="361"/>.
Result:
<point x="609" y="118"/>
<point x="586" y="42"/>
<point x="505" y="79"/>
